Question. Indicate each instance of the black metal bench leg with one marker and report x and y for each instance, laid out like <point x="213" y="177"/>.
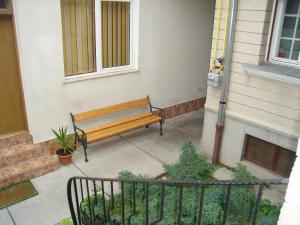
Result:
<point x="75" y="143"/>
<point x="84" y="143"/>
<point x="161" y="128"/>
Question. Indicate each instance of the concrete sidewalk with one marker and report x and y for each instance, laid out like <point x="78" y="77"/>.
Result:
<point x="142" y="151"/>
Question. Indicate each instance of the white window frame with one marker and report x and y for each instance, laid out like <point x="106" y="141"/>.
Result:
<point x="278" y="23"/>
<point x="134" y="45"/>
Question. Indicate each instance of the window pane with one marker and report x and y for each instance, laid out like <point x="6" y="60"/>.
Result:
<point x="285" y="162"/>
<point x="298" y="30"/>
<point x="288" y="27"/>
<point x="269" y="155"/>
<point x="4" y="4"/>
<point x="115" y="34"/>
<point x="260" y="152"/>
<point x="296" y="50"/>
<point x="78" y="22"/>
<point x="284" y="48"/>
<point x="292" y="7"/>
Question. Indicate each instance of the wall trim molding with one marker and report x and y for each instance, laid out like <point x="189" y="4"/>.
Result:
<point x="265" y="126"/>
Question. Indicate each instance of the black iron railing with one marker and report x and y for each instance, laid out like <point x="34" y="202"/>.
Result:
<point x="94" y="201"/>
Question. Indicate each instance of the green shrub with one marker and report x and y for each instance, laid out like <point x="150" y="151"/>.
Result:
<point x="242" y="197"/>
<point x="66" y="222"/>
<point x="241" y="173"/>
<point x="191" y="166"/>
<point x="95" y="202"/>
<point x="268" y="213"/>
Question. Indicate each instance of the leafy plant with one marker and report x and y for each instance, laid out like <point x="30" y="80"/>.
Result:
<point x="93" y="202"/>
<point x="66" y="222"/>
<point x="269" y="213"/>
<point x="63" y="141"/>
<point x="267" y="208"/>
<point x="191" y="166"/>
<point x="241" y="173"/>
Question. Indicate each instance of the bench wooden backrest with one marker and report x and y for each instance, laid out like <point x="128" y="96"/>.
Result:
<point x="111" y="109"/>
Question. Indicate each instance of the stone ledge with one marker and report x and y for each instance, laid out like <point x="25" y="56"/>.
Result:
<point x="273" y="128"/>
<point x="274" y="72"/>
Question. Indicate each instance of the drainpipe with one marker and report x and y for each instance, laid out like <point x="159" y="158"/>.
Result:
<point x="225" y="82"/>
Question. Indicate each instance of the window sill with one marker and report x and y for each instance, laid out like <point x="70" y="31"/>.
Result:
<point x="275" y="72"/>
<point x="96" y="75"/>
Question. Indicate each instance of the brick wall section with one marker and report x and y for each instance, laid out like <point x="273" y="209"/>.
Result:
<point x="290" y="212"/>
<point x="270" y="103"/>
<point x="185" y="107"/>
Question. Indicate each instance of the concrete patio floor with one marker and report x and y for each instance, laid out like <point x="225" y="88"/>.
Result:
<point x="142" y="151"/>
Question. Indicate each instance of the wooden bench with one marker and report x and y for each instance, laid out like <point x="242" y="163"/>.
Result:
<point x="100" y="132"/>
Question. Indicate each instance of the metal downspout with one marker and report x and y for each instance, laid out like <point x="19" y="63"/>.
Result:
<point x="224" y="87"/>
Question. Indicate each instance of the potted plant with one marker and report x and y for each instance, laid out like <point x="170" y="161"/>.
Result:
<point x="65" y="144"/>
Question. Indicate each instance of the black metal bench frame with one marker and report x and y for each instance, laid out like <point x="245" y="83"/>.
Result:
<point x="83" y="138"/>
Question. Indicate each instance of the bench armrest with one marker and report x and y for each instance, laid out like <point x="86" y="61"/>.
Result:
<point x="162" y="113"/>
<point x="77" y="128"/>
<point x="83" y="134"/>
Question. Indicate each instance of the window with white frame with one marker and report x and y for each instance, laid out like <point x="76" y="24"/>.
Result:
<point x="99" y="36"/>
<point x="285" y="47"/>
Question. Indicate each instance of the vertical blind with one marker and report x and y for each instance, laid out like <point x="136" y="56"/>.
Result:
<point x="115" y="33"/>
<point x="78" y="23"/>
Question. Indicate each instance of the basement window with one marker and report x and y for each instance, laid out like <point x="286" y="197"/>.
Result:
<point x="269" y="156"/>
<point x="99" y="37"/>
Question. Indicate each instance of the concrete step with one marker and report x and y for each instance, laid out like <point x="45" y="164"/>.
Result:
<point x="19" y="153"/>
<point x="15" y="139"/>
<point x="28" y="169"/>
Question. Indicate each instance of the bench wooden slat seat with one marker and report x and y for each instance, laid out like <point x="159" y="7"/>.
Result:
<point x="119" y="122"/>
<point x="107" y="130"/>
<point x="121" y="128"/>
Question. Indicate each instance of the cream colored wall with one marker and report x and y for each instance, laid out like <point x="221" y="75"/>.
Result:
<point x="175" y="38"/>
<point x="271" y="104"/>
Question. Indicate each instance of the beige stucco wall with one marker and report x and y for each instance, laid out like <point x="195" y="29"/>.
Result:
<point x="270" y="102"/>
<point x="175" y="38"/>
<point x="270" y="105"/>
